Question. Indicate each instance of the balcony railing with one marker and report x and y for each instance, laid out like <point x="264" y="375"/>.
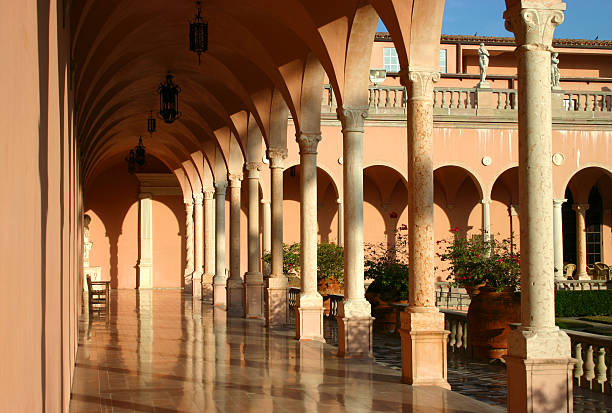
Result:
<point x="390" y="102"/>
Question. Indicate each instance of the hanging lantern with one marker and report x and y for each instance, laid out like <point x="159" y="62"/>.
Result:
<point x="168" y="100"/>
<point x="198" y="33"/>
<point x="140" y="152"/>
<point x="151" y="121"/>
<point x="131" y="161"/>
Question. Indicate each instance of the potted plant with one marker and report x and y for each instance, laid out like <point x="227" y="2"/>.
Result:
<point x="330" y="272"/>
<point x="494" y="268"/>
<point x="388" y="268"/>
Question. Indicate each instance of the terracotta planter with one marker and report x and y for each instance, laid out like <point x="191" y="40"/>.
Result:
<point x="327" y="287"/>
<point x="384" y="313"/>
<point x="473" y="290"/>
<point x="489" y="317"/>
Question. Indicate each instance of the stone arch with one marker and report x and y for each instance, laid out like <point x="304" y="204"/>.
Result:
<point x="505" y="220"/>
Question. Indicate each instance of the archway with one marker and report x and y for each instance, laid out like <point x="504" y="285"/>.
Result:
<point x="504" y="207"/>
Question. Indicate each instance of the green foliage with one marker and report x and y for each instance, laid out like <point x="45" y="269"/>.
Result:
<point x="390" y="279"/>
<point x="330" y="262"/>
<point x="583" y="303"/>
<point x="474" y="261"/>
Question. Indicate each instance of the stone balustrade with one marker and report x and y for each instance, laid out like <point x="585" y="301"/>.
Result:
<point x="593" y="354"/>
<point x="294" y="293"/>
<point x="456" y="323"/>
<point x="581" y="285"/>
<point x="387" y="102"/>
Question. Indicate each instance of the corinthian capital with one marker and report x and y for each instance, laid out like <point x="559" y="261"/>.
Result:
<point x="253" y="169"/>
<point x="308" y="142"/>
<point x="198" y="197"/>
<point x="420" y="83"/>
<point x="532" y="25"/>
<point x="234" y="180"/>
<point x="276" y="157"/>
<point x="352" y="119"/>
<point x="220" y="187"/>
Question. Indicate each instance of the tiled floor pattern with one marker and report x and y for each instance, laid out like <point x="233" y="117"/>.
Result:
<point x="160" y="352"/>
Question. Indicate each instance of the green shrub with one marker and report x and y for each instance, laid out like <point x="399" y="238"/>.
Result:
<point x="583" y="303"/>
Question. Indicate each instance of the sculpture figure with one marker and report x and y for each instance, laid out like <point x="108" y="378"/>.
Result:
<point x="483" y="62"/>
<point x="555" y="74"/>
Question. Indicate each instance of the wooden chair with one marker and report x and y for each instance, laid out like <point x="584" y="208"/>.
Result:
<point x="98" y="297"/>
<point x="568" y="270"/>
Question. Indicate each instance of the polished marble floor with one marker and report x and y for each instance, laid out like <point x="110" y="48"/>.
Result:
<point x="160" y="352"/>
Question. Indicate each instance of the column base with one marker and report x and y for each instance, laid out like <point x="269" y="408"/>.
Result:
<point x="309" y="317"/>
<point x="235" y="296"/>
<point x="424" y="347"/>
<point x="197" y="284"/>
<point x="277" y="305"/>
<point x="540" y="371"/>
<point x="188" y="277"/>
<point x="254" y="295"/>
<point x="355" y="329"/>
<point x="220" y="292"/>
<point x="145" y="276"/>
<point x="207" y="288"/>
<point x="583" y="276"/>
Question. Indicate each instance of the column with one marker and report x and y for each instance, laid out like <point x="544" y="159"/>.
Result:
<point x="422" y="325"/>
<point x="276" y="284"/>
<point x="558" y="237"/>
<point x="209" y="245"/>
<point x="340" y="222"/>
<point x="265" y="234"/>
<point x="581" y="250"/>
<point x="309" y="309"/>
<point x="198" y="229"/>
<point x="188" y="274"/>
<point x="539" y="364"/>
<point x="145" y="244"/>
<point x="253" y="277"/>
<point x="235" y="284"/>
<point x="354" y="313"/>
<point x="486" y="218"/>
<point x="220" y="278"/>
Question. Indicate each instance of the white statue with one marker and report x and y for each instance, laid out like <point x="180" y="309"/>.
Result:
<point x="86" y="243"/>
<point x="555" y="73"/>
<point x="483" y="62"/>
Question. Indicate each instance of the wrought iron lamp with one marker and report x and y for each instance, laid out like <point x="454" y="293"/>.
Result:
<point x="168" y="100"/>
<point x="140" y="152"/>
<point x="151" y="124"/>
<point x="198" y="33"/>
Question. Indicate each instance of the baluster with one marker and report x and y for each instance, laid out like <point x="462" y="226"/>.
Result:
<point x="578" y="372"/>
<point x="397" y="93"/>
<point x="387" y="98"/>
<point x="589" y="366"/>
<point x="459" y="334"/>
<point x="452" y="339"/>
<point x="371" y="97"/>
<point x="435" y="104"/>
<point x="443" y="98"/>
<point x="465" y="336"/>
<point x="499" y="100"/>
<point x="600" y="369"/>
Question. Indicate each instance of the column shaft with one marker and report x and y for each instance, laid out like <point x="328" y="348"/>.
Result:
<point x="581" y="250"/>
<point x="340" y="223"/>
<point x="354" y="313"/>
<point x="486" y="218"/>
<point x="538" y="357"/>
<point x="145" y="251"/>
<point x="309" y="313"/>
<point x="422" y="330"/>
<point x="254" y="277"/>
<point x="198" y="245"/>
<point x="558" y="237"/>
<point x="209" y="245"/>
<point x="220" y="279"/>
<point x="235" y="284"/>
<point x="276" y="308"/>
<point x="266" y="236"/>
<point x="188" y="274"/>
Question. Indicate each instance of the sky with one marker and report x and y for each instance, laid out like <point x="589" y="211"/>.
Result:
<point x="584" y="19"/>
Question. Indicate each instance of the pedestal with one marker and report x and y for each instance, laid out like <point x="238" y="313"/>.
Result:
<point x="207" y="287"/>
<point x="424" y="348"/>
<point x="277" y="305"/>
<point x="235" y="296"/>
<point x="309" y="317"/>
<point x="355" y="329"/>
<point x="254" y="295"/>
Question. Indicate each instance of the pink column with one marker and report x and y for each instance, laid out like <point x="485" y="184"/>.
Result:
<point x="276" y="310"/>
<point x="220" y="278"/>
<point x="235" y="284"/>
<point x="198" y="231"/>
<point x="539" y="364"/>
<point x="581" y="249"/>
<point x="422" y="325"/>
<point x="209" y="245"/>
<point x="188" y="274"/>
<point x="254" y="277"/>
<point x="354" y="313"/>
<point x="309" y="310"/>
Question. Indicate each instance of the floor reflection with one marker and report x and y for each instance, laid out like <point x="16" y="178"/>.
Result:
<point x="160" y="351"/>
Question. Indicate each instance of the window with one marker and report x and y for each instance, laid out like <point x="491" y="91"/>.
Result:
<point x="390" y="60"/>
<point x="442" y="60"/>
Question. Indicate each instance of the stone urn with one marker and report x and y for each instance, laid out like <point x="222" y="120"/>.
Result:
<point x="489" y="316"/>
